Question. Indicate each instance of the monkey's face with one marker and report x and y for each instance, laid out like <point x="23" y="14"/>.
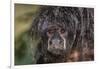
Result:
<point x="56" y="40"/>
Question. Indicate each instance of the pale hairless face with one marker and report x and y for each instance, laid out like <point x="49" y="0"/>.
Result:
<point x="56" y="39"/>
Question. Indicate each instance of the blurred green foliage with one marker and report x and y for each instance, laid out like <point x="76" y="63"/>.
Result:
<point x="24" y="15"/>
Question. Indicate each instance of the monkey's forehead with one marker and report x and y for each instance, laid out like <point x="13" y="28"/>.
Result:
<point x="46" y="26"/>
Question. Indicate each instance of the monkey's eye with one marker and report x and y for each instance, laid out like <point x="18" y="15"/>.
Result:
<point x="62" y="31"/>
<point x="50" y="31"/>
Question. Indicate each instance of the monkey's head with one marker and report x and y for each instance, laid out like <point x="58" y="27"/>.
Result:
<point x="57" y="27"/>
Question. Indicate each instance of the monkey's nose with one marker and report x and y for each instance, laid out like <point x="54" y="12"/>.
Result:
<point x="55" y="41"/>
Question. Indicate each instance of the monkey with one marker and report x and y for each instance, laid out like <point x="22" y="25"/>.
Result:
<point x="66" y="34"/>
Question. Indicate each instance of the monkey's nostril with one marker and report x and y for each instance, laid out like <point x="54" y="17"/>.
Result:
<point x="50" y="42"/>
<point x="61" y="41"/>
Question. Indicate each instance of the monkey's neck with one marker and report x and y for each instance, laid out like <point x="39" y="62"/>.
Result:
<point x="51" y="58"/>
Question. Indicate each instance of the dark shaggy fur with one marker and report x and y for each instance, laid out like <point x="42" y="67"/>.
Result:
<point x="78" y="22"/>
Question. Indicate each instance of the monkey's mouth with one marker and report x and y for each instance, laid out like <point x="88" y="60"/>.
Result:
<point x="57" y="50"/>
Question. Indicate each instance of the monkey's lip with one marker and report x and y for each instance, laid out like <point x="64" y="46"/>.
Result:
<point x="57" y="46"/>
<point x="57" y="51"/>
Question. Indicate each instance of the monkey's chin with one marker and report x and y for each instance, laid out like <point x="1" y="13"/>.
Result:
<point x="57" y="52"/>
